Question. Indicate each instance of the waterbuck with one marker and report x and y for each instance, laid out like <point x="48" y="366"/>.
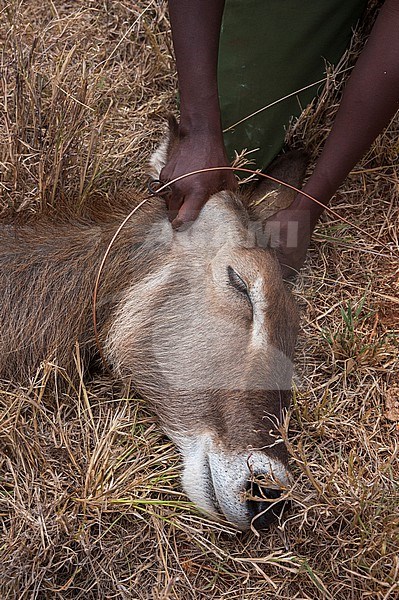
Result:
<point x="199" y="320"/>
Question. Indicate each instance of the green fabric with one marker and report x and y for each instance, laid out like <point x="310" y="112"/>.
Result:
<point x="269" y="49"/>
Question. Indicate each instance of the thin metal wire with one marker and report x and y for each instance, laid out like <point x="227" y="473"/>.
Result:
<point x="153" y="188"/>
<point x="97" y="282"/>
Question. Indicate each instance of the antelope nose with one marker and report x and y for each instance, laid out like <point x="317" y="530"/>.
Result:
<point x="263" y="506"/>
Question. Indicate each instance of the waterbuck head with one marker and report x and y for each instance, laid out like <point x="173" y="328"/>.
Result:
<point x="208" y="337"/>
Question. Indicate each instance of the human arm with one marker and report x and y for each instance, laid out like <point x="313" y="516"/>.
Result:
<point x="195" y="31"/>
<point x="369" y="102"/>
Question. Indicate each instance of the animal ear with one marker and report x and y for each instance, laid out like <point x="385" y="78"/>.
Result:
<point x="268" y="197"/>
<point x="160" y="156"/>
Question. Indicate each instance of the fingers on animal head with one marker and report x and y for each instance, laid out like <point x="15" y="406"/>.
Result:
<point x="174" y="202"/>
<point x="190" y="209"/>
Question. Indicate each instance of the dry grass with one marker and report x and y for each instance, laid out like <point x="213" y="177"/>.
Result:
<point x="90" y="502"/>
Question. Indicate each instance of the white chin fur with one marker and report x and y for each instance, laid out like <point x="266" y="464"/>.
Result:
<point x="215" y="479"/>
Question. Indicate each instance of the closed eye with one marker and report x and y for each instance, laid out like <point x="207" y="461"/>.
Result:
<point x="238" y="283"/>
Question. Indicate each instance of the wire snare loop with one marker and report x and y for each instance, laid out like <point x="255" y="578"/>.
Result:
<point x="154" y="190"/>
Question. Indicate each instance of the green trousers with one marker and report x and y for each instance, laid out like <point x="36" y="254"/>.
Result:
<point x="268" y="50"/>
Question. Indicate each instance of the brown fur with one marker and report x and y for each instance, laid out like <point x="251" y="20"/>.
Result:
<point x="215" y="360"/>
<point x="48" y="272"/>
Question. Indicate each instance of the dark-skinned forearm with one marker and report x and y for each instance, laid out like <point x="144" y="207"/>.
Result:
<point x="199" y="144"/>
<point x="369" y="102"/>
<point x="196" y="31"/>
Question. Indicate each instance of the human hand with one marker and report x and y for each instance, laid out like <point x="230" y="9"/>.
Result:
<point x="191" y="152"/>
<point x="289" y="232"/>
